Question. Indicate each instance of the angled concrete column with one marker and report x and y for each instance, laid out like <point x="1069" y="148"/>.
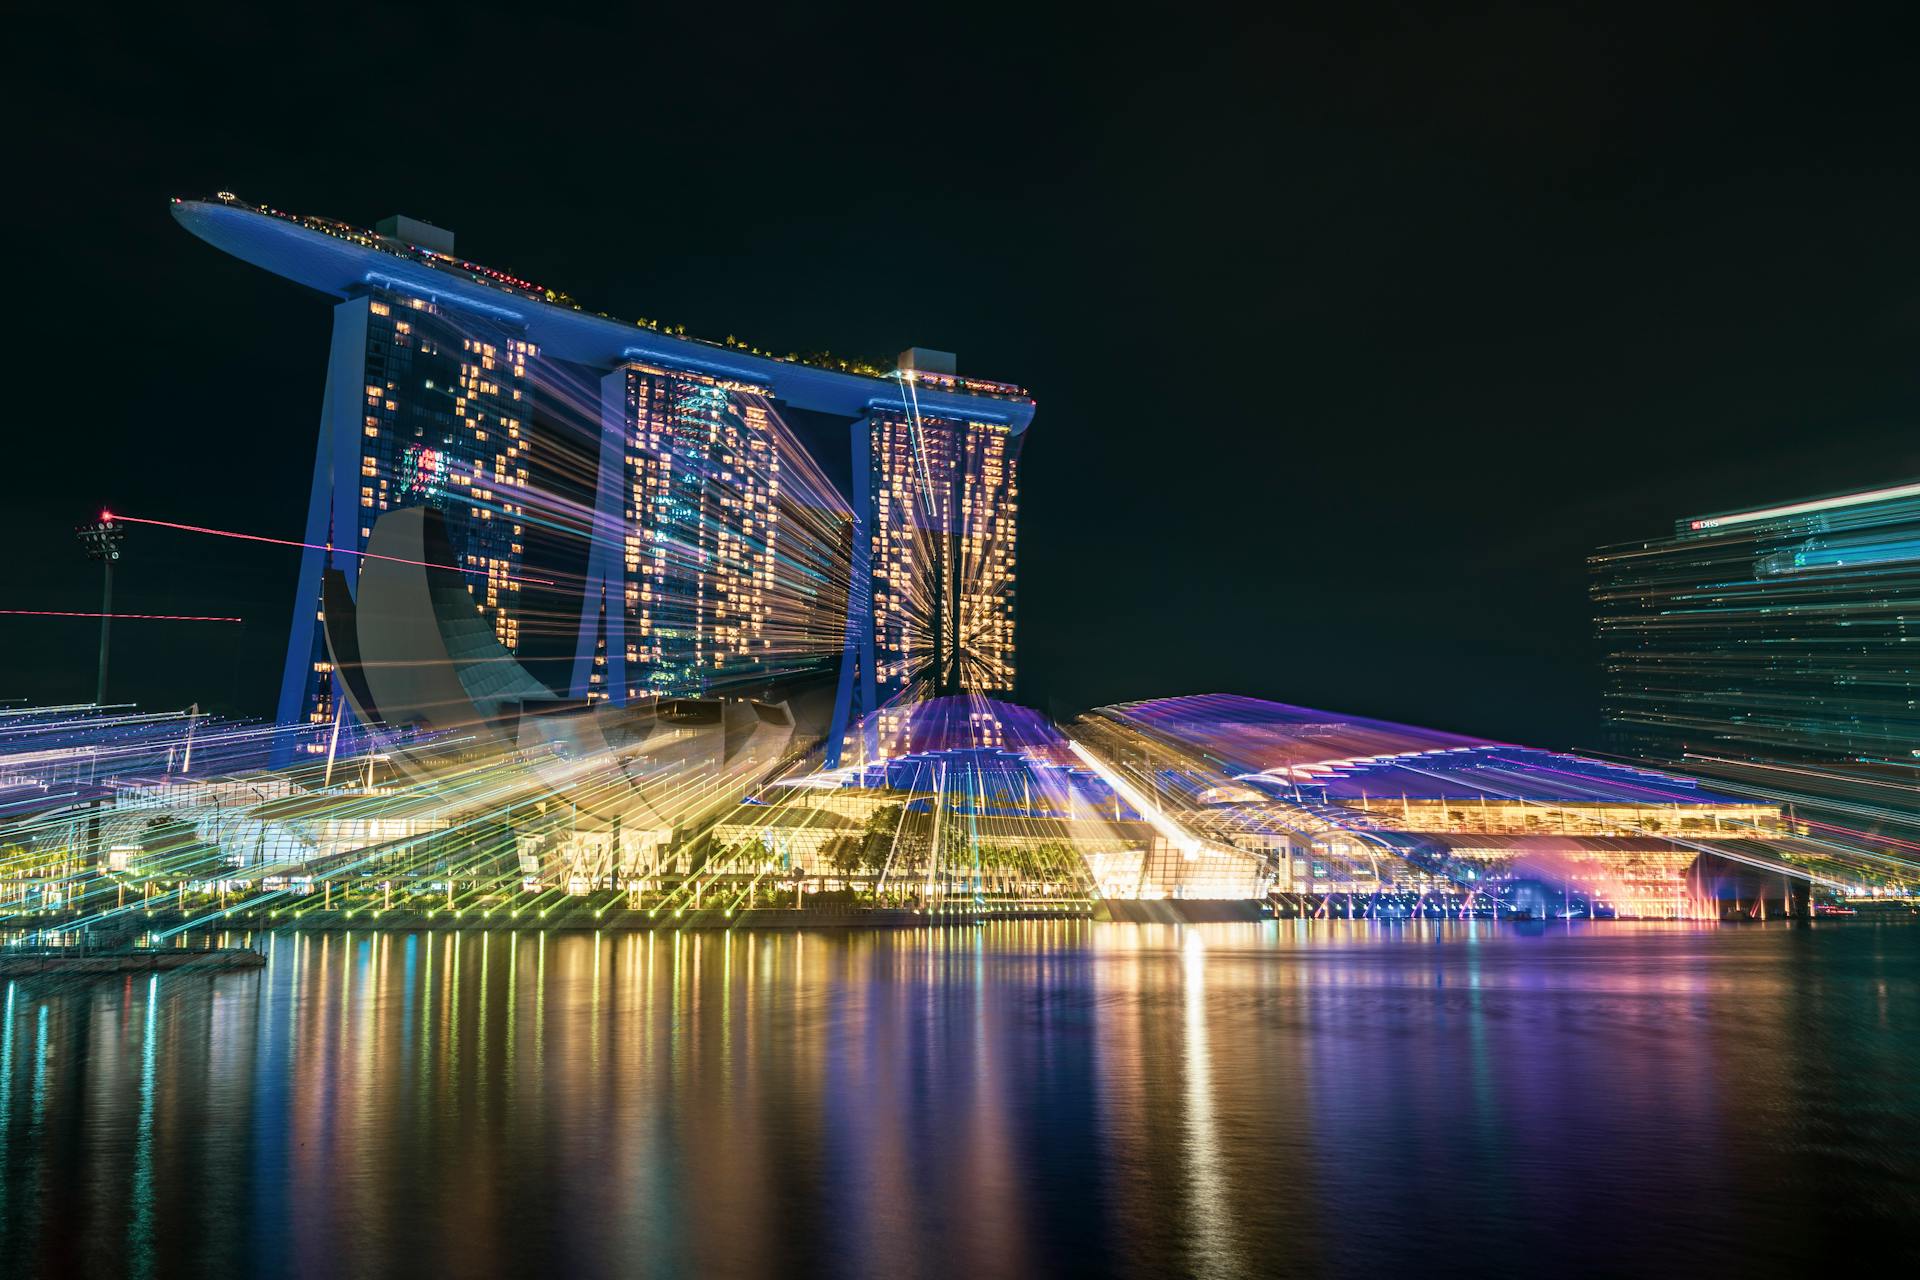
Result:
<point x="333" y="504"/>
<point x="606" y="556"/>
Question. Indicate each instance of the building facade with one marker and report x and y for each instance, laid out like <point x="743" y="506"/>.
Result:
<point x="1775" y="648"/>
<point x="424" y="406"/>
<point x="718" y="553"/>
<point x="935" y="571"/>
<point x="682" y="589"/>
<point x="943" y="517"/>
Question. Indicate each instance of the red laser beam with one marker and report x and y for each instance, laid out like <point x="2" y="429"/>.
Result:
<point x="150" y="617"/>
<point x="288" y="542"/>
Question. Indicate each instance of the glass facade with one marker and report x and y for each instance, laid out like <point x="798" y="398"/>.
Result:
<point x="944" y="510"/>
<point x="1776" y="649"/>
<point x="700" y="490"/>
<point x="445" y="406"/>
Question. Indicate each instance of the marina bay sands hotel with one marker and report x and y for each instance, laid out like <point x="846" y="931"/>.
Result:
<point x="448" y="384"/>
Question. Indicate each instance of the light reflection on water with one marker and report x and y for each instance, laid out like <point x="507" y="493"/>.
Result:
<point x="1022" y="1098"/>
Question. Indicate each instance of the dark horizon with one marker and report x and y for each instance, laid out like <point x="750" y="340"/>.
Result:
<point x="1351" y="339"/>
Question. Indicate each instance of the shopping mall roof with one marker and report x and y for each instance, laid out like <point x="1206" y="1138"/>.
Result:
<point x="1298" y="752"/>
<point x="357" y="806"/>
<point x="1499" y="773"/>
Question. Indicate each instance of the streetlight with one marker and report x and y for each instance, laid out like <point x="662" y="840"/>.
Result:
<point x="102" y="539"/>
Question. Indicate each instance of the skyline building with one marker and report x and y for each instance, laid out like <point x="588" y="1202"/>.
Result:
<point x="716" y="551"/>
<point x="681" y="590"/>
<point x="1773" y="649"/>
<point x="942" y="554"/>
<point x="420" y="409"/>
<point x="934" y="564"/>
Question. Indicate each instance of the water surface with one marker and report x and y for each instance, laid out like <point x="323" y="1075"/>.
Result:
<point x="1018" y="1099"/>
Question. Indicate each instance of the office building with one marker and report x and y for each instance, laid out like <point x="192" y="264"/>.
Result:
<point x="1775" y="649"/>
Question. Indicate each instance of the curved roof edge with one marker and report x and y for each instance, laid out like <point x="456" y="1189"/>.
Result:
<point x="338" y="267"/>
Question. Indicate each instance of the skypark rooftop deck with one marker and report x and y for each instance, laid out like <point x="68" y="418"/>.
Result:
<point x="338" y="259"/>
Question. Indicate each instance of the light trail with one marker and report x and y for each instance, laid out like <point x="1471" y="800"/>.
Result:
<point x="290" y="542"/>
<point x="148" y="617"/>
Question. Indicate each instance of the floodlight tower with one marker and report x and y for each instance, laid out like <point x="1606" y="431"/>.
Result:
<point x="102" y="539"/>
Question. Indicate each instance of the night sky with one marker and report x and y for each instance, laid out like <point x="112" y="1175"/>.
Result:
<point x="1352" y="336"/>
